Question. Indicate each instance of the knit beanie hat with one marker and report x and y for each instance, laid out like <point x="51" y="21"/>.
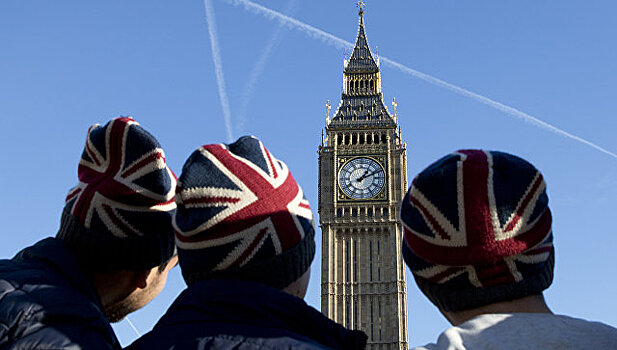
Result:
<point x="477" y="230"/>
<point x="118" y="217"/>
<point x="241" y="215"/>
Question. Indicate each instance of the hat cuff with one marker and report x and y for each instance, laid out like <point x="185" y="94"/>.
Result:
<point x="278" y="271"/>
<point x="449" y="298"/>
<point x="100" y="252"/>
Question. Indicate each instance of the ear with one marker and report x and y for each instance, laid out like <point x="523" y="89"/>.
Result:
<point x="141" y="278"/>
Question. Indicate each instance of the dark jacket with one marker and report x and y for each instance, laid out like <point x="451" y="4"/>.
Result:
<point x="47" y="303"/>
<point x="232" y="314"/>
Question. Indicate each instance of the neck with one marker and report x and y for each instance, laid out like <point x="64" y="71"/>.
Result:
<point x="529" y="304"/>
<point x="113" y="286"/>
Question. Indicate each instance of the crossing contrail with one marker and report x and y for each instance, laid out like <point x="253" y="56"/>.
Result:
<point x="259" y="67"/>
<point x="218" y="68"/>
<point x="335" y="41"/>
<point x="133" y="326"/>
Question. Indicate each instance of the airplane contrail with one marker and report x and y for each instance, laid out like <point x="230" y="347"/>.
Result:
<point x="218" y="68"/>
<point x="333" y="40"/>
<point x="133" y="326"/>
<point x="259" y="67"/>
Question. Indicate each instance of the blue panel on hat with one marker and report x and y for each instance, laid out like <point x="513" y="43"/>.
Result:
<point x="438" y="183"/>
<point x="307" y="225"/>
<point x="412" y="217"/>
<point x="250" y="148"/>
<point x="150" y="222"/>
<point x="140" y="143"/>
<point x="198" y="171"/>
<point x="414" y="262"/>
<point x="266" y="251"/>
<point x="541" y="206"/>
<point x="205" y="259"/>
<point x="511" y="178"/>
<point x="86" y="157"/>
<point x="158" y="182"/>
<point x="97" y="137"/>
<point x="97" y="225"/>
<point x="188" y="220"/>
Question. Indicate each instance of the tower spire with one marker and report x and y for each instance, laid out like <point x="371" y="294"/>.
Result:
<point x="361" y="5"/>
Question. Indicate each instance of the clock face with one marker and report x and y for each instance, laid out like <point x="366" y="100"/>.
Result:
<point x="362" y="178"/>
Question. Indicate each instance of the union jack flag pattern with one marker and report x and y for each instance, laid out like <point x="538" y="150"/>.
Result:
<point x="476" y="219"/>
<point x="238" y="205"/>
<point x="125" y="188"/>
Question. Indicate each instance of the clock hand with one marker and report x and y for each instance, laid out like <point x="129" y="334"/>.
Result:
<point x="367" y="174"/>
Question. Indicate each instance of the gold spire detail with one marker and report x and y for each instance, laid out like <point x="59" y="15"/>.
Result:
<point x="361" y="4"/>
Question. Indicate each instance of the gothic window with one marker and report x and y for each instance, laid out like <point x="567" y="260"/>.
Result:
<point x="372" y="85"/>
<point x="379" y="313"/>
<point x="378" y="263"/>
<point x="369" y="212"/>
<point x="383" y="138"/>
<point x="370" y="260"/>
<point x="354" y="212"/>
<point x="354" y="139"/>
<point x="369" y="139"/>
<point x="346" y="139"/>
<point x="347" y="261"/>
<point x="361" y="139"/>
<point x="371" y="318"/>
<point x="355" y="261"/>
<point x="347" y="313"/>
<point x="355" y="314"/>
<point x="339" y="212"/>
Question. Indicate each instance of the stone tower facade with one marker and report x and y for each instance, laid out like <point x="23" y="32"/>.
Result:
<point x="362" y="178"/>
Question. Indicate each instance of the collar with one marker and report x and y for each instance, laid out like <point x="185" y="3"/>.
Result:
<point x="233" y="301"/>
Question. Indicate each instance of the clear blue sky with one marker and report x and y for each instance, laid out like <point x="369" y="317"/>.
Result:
<point x="65" y="65"/>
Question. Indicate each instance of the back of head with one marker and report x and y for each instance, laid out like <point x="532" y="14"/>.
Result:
<point x="118" y="217"/>
<point x="477" y="230"/>
<point x="241" y="215"/>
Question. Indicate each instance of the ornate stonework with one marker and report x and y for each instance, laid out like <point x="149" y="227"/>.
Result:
<point x="362" y="178"/>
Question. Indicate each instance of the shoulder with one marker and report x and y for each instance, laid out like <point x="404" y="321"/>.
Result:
<point x="540" y="330"/>
<point x="39" y="305"/>
<point x="223" y="341"/>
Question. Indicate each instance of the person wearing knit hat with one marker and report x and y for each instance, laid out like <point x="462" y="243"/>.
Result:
<point x="245" y="238"/>
<point x="479" y="243"/>
<point x="111" y="255"/>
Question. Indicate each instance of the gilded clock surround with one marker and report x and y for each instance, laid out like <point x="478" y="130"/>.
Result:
<point x="380" y="195"/>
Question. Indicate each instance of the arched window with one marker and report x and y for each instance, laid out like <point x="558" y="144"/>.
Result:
<point x="361" y="139"/>
<point x="383" y="138"/>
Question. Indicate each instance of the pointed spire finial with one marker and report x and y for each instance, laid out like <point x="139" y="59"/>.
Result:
<point x="328" y="107"/>
<point x="361" y="4"/>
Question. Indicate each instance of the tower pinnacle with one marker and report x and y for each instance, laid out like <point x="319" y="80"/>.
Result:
<point x="361" y="5"/>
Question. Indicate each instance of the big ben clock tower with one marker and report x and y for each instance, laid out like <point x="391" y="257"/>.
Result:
<point x="362" y="178"/>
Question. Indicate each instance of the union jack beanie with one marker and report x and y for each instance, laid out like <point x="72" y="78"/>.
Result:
<point x="118" y="217"/>
<point x="477" y="230"/>
<point x="241" y="215"/>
